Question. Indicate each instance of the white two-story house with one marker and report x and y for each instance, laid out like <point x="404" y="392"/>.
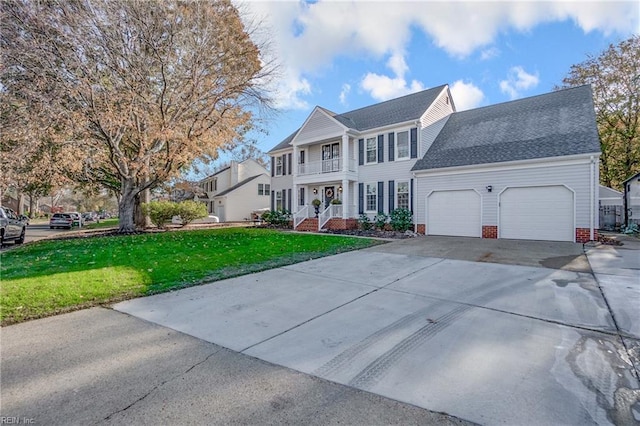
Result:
<point x="525" y="169"/>
<point x="361" y="159"/>
<point x="234" y="192"/>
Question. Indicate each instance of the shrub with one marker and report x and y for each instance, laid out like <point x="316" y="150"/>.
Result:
<point x="160" y="212"/>
<point x="364" y="222"/>
<point x="380" y="220"/>
<point x="190" y="210"/>
<point x="278" y="218"/>
<point x="631" y="229"/>
<point x="401" y="220"/>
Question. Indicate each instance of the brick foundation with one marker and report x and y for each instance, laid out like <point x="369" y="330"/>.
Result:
<point x="341" y="224"/>
<point x="489" y="231"/>
<point x="583" y="235"/>
<point x="421" y="229"/>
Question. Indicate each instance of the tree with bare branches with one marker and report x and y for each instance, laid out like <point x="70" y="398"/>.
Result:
<point x="131" y="91"/>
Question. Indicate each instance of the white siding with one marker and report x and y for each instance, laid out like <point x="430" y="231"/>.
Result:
<point x="239" y="203"/>
<point x="429" y="134"/>
<point x="384" y="172"/>
<point x="439" y="109"/>
<point x="574" y="176"/>
<point x="318" y="126"/>
<point x="249" y="168"/>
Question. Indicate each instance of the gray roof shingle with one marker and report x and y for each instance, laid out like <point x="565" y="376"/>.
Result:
<point x="236" y="186"/>
<point x="554" y="124"/>
<point x="399" y="110"/>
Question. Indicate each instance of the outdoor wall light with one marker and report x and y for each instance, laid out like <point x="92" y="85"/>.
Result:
<point x="340" y="188"/>
<point x="315" y="190"/>
<point x="489" y="188"/>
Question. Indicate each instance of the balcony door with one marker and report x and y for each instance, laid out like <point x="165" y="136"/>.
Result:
<point x="331" y="158"/>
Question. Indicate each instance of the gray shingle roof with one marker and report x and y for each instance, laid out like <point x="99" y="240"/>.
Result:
<point x="285" y="143"/>
<point x="236" y="186"/>
<point x="550" y="125"/>
<point x="399" y="110"/>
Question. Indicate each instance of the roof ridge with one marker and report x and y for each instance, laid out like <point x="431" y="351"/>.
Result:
<point x="393" y="99"/>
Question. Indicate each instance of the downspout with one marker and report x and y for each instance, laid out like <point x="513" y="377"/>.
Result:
<point x="591" y="199"/>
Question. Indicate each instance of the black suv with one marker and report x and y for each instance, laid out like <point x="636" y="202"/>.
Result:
<point x="12" y="227"/>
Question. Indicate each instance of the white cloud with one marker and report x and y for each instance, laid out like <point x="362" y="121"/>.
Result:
<point x="346" y="88"/>
<point x="490" y="53"/>
<point x="517" y="81"/>
<point x="466" y="95"/>
<point x="307" y="37"/>
<point x="382" y="87"/>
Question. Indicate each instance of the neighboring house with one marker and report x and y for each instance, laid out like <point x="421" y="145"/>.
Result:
<point x="236" y="191"/>
<point x="525" y="169"/>
<point x="611" y="208"/>
<point x="632" y="200"/>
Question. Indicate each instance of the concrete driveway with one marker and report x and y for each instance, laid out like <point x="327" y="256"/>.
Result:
<point x="485" y="342"/>
<point x="489" y="331"/>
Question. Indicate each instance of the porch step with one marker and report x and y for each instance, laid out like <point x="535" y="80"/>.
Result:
<point x="309" y="224"/>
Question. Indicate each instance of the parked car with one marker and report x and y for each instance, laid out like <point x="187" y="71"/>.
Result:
<point x="89" y="217"/>
<point x="77" y="219"/>
<point x="61" y="220"/>
<point x="11" y="227"/>
<point x="24" y="218"/>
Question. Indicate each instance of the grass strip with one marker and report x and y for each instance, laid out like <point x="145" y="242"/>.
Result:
<point x="54" y="276"/>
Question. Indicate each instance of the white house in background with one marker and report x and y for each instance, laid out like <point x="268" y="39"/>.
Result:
<point x="611" y="208"/>
<point x="525" y="169"/>
<point x="632" y="199"/>
<point x="236" y="191"/>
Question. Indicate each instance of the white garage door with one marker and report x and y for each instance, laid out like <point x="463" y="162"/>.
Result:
<point x="454" y="213"/>
<point x="537" y="213"/>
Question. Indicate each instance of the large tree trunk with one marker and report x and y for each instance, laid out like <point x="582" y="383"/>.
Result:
<point x="126" y="207"/>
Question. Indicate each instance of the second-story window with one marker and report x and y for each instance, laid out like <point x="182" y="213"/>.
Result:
<point x="402" y="145"/>
<point x="264" y="189"/>
<point x="371" y="151"/>
<point x="279" y="166"/>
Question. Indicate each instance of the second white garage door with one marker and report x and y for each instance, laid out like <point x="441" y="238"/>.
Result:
<point x="454" y="213"/>
<point x="537" y="213"/>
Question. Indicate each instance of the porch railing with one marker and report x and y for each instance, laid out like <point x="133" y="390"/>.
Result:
<point x="334" y="210"/>
<point x="300" y="216"/>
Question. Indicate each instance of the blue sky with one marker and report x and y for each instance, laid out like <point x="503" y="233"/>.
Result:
<point x="344" y="55"/>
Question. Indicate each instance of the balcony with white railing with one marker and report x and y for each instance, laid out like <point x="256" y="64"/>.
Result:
<point x="325" y="166"/>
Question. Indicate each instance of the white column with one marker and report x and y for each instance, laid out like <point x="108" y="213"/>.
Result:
<point x="294" y="161"/>
<point x="294" y="199"/>
<point x="345" y="154"/>
<point x="345" y="199"/>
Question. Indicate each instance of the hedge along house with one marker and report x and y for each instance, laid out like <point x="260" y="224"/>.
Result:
<point x="357" y="162"/>
<point x="526" y="169"/>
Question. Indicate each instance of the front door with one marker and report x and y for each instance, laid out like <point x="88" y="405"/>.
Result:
<point x="329" y="194"/>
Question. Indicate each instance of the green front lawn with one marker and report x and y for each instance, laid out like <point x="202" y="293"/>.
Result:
<point x="54" y="276"/>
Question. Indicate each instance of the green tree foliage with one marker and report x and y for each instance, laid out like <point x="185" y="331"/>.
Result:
<point x="614" y="76"/>
<point x="190" y="210"/>
<point x="160" y="212"/>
